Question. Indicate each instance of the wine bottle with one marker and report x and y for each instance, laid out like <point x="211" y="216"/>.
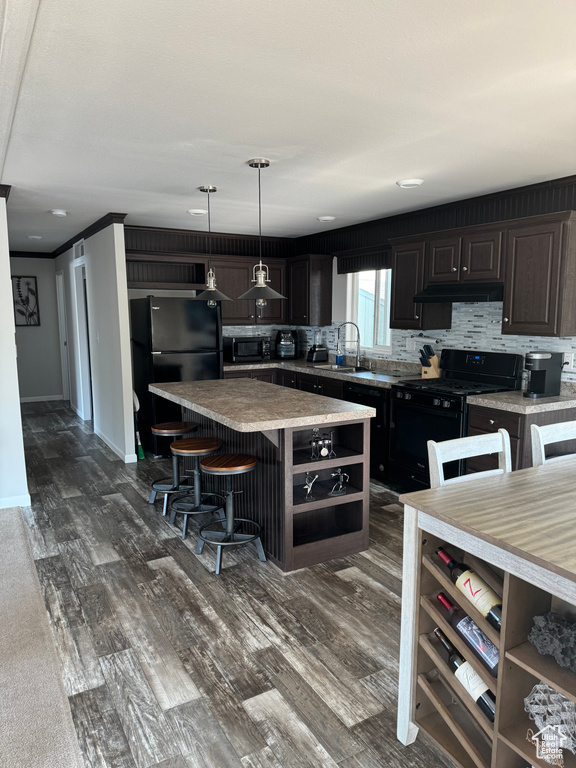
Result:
<point x="474" y="588"/>
<point x="472" y="635"/>
<point x="469" y="678"/>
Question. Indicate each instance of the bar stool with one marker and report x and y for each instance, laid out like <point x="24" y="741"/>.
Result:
<point x="190" y="503"/>
<point x="167" y="485"/>
<point x="235" y="533"/>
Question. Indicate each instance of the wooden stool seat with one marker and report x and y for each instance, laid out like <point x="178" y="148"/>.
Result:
<point x="196" y="446"/>
<point x="167" y="485"/>
<point x="190" y="503"/>
<point x="233" y="531"/>
<point x="229" y="464"/>
<point x="174" y="428"/>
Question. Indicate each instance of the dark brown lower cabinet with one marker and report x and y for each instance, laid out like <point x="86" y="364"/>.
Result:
<point x="262" y="374"/>
<point x="321" y="385"/>
<point x="482" y="420"/>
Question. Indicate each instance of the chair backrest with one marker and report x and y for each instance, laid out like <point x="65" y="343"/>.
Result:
<point x="464" y="448"/>
<point x="551" y="433"/>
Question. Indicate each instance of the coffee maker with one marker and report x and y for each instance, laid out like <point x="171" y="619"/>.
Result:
<point x="286" y="345"/>
<point x="544" y="369"/>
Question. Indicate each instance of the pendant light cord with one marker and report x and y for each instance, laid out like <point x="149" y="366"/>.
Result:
<point x="259" y="217"/>
<point x="209" y="230"/>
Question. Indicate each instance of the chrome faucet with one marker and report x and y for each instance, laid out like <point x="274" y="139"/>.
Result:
<point x="348" y="322"/>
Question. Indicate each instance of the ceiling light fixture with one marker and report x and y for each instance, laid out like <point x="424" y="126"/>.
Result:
<point x="211" y="295"/>
<point x="324" y="219"/>
<point x="34" y="237"/>
<point x="58" y="212"/>
<point x="410" y="183"/>
<point x="261" y="292"/>
<point x="197" y="211"/>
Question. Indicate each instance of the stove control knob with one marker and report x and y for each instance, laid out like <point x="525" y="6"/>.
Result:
<point x="436" y="401"/>
<point x="446" y="403"/>
<point x="399" y="395"/>
<point x="407" y="396"/>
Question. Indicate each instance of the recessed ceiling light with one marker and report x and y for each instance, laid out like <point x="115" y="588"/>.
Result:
<point x="197" y="212"/>
<point x="326" y="218"/>
<point x="34" y="237"/>
<point x="58" y="212"/>
<point x="409" y="183"/>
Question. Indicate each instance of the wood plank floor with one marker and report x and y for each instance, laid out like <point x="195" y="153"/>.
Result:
<point x="167" y="665"/>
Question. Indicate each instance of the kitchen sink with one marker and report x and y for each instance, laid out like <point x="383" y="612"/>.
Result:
<point x="341" y="368"/>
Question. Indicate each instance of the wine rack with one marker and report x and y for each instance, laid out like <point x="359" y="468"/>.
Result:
<point x="440" y="704"/>
<point x="326" y="526"/>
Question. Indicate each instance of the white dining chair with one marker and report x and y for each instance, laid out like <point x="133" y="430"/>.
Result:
<point x="548" y="434"/>
<point x="465" y="448"/>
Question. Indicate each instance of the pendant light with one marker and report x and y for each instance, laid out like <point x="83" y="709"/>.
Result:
<point x="211" y="295"/>
<point x="261" y="292"/>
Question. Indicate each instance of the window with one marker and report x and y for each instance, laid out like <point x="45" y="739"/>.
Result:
<point x="370" y="308"/>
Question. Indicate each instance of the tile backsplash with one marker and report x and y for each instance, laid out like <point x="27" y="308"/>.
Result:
<point x="475" y="326"/>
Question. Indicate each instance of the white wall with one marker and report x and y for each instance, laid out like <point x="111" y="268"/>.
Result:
<point x="13" y="482"/>
<point x="65" y="263"/>
<point x="108" y="321"/>
<point x="39" y="367"/>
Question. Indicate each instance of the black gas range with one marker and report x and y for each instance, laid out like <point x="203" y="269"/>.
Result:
<point x="435" y="409"/>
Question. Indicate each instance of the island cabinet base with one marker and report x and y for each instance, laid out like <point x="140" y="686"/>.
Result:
<point x="430" y="695"/>
<point x="301" y="528"/>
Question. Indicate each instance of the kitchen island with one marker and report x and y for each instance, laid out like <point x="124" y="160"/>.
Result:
<point x="278" y="425"/>
<point x="516" y="531"/>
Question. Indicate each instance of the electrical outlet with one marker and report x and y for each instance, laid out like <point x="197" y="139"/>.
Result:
<point x="411" y="345"/>
<point x="568" y="360"/>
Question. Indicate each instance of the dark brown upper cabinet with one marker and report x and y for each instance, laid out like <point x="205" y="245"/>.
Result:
<point x="407" y="281"/>
<point x="172" y="271"/>
<point x="465" y="256"/>
<point x="309" y="280"/>
<point x="234" y="277"/>
<point x="540" y="284"/>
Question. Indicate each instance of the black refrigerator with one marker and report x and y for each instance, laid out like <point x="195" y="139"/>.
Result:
<point x="173" y="339"/>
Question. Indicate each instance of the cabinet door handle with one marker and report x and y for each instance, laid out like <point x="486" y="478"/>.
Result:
<point x="491" y="421"/>
<point x="455" y="269"/>
<point x="505" y="320"/>
<point x="416" y="317"/>
<point x="464" y="269"/>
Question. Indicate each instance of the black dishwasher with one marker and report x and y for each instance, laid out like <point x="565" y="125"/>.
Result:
<point x="378" y="398"/>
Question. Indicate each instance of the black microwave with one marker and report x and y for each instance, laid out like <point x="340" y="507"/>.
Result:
<point x="246" y="349"/>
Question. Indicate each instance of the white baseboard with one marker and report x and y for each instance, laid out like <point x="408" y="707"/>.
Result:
<point x="15" y="501"/>
<point x="127" y="458"/>
<point x="41" y="398"/>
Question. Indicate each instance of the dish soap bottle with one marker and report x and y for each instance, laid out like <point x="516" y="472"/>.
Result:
<point x="339" y="355"/>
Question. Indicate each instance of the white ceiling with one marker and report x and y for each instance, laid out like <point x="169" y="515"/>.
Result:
<point x="131" y="105"/>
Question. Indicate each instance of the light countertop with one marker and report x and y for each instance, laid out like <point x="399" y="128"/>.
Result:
<point x="530" y="512"/>
<point x="515" y="402"/>
<point x="383" y="379"/>
<point x="249" y="405"/>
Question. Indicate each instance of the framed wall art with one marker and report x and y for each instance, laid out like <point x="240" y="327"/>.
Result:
<point x="25" y="294"/>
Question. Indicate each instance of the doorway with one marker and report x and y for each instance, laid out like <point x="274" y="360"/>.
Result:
<point x="63" y="333"/>
<point x="85" y="408"/>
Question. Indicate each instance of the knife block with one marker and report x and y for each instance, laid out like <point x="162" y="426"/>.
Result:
<point x="433" y="370"/>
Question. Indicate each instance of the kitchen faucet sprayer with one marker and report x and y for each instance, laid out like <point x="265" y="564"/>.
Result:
<point x="357" y="342"/>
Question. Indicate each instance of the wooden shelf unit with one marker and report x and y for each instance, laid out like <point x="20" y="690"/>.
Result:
<point x="329" y="526"/>
<point x="440" y="705"/>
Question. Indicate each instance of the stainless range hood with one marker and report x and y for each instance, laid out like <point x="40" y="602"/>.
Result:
<point x="437" y="293"/>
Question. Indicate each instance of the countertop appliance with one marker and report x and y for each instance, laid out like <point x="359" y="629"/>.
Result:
<point x="435" y="409"/>
<point x="173" y="339"/>
<point x="373" y="397"/>
<point x="545" y="371"/>
<point x="287" y="345"/>
<point x="246" y="349"/>
<point x="318" y="352"/>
